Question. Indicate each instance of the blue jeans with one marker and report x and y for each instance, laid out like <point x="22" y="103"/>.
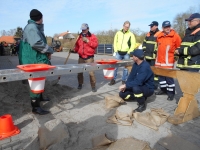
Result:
<point x="125" y="71"/>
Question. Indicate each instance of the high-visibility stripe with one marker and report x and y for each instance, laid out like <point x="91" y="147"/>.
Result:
<point x="186" y="66"/>
<point x="148" y="57"/>
<point x="171" y="85"/>
<point x="138" y="95"/>
<point x="162" y="64"/>
<point x="185" y="51"/>
<point x="162" y="82"/>
<point x="128" y="96"/>
<point x="163" y="85"/>
<point x="151" y="42"/>
<point x="144" y="47"/>
<point x="170" y="89"/>
<point x="156" y="78"/>
<point x="190" y="44"/>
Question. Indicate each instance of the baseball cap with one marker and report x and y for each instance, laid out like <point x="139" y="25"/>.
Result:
<point x="195" y="15"/>
<point x="138" y="53"/>
<point x="154" y="23"/>
<point x="166" y="24"/>
<point x="84" y="26"/>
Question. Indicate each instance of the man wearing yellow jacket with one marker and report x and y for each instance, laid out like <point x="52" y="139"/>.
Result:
<point x="124" y="43"/>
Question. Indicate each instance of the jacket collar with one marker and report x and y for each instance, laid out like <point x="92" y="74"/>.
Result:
<point x="39" y="26"/>
<point x="88" y="34"/>
<point x="162" y="34"/>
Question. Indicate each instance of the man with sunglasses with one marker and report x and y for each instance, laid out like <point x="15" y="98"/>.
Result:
<point x="168" y="41"/>
<point x="124" y="43"/>
<point x="149" y="47"/>
<point x="189" y="52"/>
<point x="85" y="46"/>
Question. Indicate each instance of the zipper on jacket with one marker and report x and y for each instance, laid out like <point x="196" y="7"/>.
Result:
<point x="122" y="41"/>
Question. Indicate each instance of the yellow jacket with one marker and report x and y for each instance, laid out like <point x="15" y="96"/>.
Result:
<point x="124" y="42"/>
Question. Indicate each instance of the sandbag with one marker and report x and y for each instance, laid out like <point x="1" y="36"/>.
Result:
<point x="113" y="101"/>
<point x="152" y="119"/>
<point x="145" y="119"/>
<point x="129" y="144"/>
<point x="159" y="116"/>
<point x="123" y="116"/>
<point x="101" y="142"/>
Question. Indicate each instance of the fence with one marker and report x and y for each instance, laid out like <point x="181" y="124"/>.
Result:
<point x="105" y="49"/>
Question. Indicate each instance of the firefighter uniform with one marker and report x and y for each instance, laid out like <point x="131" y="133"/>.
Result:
<point x="149" y="47"/>
<point x="189" y="51"/>
<point x="139" y="84"/>
<point x="167" y="44"/>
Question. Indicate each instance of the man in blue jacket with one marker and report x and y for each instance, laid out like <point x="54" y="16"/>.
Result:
<point x="140" y="83"/>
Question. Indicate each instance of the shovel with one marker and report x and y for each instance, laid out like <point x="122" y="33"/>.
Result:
<point x="56" y="81"/>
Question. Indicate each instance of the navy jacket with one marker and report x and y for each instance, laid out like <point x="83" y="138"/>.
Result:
<point x="140" y="75"/>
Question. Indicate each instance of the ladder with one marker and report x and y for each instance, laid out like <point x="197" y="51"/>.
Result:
<point x="8" y="75"/>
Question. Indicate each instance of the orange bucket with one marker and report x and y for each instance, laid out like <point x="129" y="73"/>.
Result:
<point x="108" y="72"/>
<point x="36" y="84"/>
<point x="7" y="128"/>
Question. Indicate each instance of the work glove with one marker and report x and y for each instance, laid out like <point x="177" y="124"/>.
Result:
<point x="85" y="39"/>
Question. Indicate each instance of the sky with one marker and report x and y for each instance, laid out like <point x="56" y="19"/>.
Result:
<point x="101" y="15"/>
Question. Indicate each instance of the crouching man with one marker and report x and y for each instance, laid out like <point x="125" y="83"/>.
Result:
<point x="140" y="83"/>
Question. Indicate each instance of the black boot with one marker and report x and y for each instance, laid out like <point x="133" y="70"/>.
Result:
<point x="35" y="103"/>
<point x="170" y="97"/>
<point x="112" y="82"/>
<point x="141" y="108"/>
<point x="160" y="92"/>
<point x="42" y="99"/>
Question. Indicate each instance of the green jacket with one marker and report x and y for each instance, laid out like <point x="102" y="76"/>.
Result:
<point x="33" y="46"/>
<point x="124" y="42"/>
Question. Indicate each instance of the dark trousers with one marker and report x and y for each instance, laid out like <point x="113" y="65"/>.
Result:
<point x="139" y="93"/>
<point x="152" y="63"/>
<point x="167" y="85"/>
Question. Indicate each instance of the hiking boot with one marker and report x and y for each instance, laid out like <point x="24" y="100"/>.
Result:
<point x="141" y="108"/>
<point x="170" y="97"/>
<point x="123" y="82"/>
<point x="79" y="86"/>
<point x="112" y="82"/>
<point x="39" y="110"/>
<point x="160" y="92"/>
<point x="94" y="89"/>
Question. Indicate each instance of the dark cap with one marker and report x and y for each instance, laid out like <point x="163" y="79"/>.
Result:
<point x="35" y="15"/>
<point x="154" y="23"/>
<point x="84" y="26"/>
<point x="138" y="53"/>
<point x="195" y="15"/>
<point x="166" y="24"/>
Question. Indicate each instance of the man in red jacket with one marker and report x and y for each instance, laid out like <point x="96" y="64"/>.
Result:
<point x="85" y="46"/>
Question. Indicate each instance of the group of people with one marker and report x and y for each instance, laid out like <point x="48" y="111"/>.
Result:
<point x="13" y="49"/>
<point x="158" y="49"/>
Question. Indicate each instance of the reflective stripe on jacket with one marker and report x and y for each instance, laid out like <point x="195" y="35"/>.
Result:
<point x="167" y="44"/>
<point x="124" y="42"/>
<point x="189" y="51"/>
<point x="149" y="45"/>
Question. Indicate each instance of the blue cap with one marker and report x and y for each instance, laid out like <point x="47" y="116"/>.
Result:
<point x="138" y="53"/>
<point x="166" y="24"/>
<point x="195" y="15"/>
<point x="154" y="23"/>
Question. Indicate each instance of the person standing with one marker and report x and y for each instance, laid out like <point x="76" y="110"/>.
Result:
<point x="139" y="84"/>
<point x="33" y="50"/>
<point x="1" y="49"/>
<point x="85" y="46"/>
<point x="168" y="41"/>
<point x="124" y="43"/>
<point x="149" y="47"/>
<point x="189" y="51"/>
